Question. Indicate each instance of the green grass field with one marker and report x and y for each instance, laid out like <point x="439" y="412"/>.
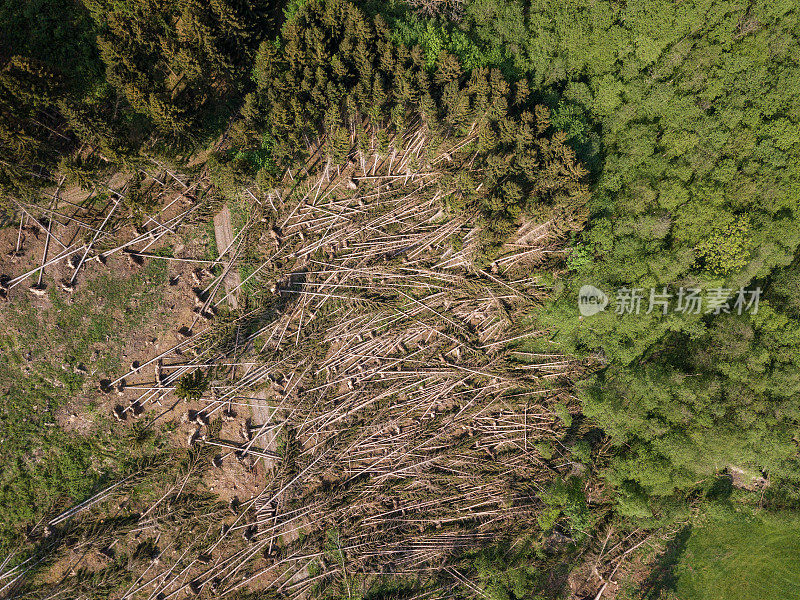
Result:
<point x="742" y="557"/>
<point x="45" y="468"/>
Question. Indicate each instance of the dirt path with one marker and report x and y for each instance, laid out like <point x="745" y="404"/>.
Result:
<point x="223" y="232"/>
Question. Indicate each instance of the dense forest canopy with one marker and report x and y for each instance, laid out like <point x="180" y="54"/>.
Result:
<point x="698" y="189"/>
<point x="117" y="75"/>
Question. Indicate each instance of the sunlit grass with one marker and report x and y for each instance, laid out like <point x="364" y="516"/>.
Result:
<point x="742" y="557"/>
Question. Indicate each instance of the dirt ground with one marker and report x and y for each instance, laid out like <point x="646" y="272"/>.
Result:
<point x="23" y="249"/>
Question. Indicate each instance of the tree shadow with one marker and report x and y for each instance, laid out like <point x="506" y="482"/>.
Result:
<point x="663" y="576"/>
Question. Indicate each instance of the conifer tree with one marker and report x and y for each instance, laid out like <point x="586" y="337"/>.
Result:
<point x="337" y="67"/>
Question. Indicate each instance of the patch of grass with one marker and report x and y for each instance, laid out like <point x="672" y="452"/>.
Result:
<point x="240" y="213"/>
<point x="742" y="557"/>
<point x="249" y="286"/>
<point x="103" y="312"/>
<point x="45" y="358"/>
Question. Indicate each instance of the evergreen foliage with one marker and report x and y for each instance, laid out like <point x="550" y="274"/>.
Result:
<point x="109" y="74"/>
<point x="191" y="386"/>
<point x="336" y="74"/>
<point x="182" y="61"/>
<point x="54" y="95"/>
